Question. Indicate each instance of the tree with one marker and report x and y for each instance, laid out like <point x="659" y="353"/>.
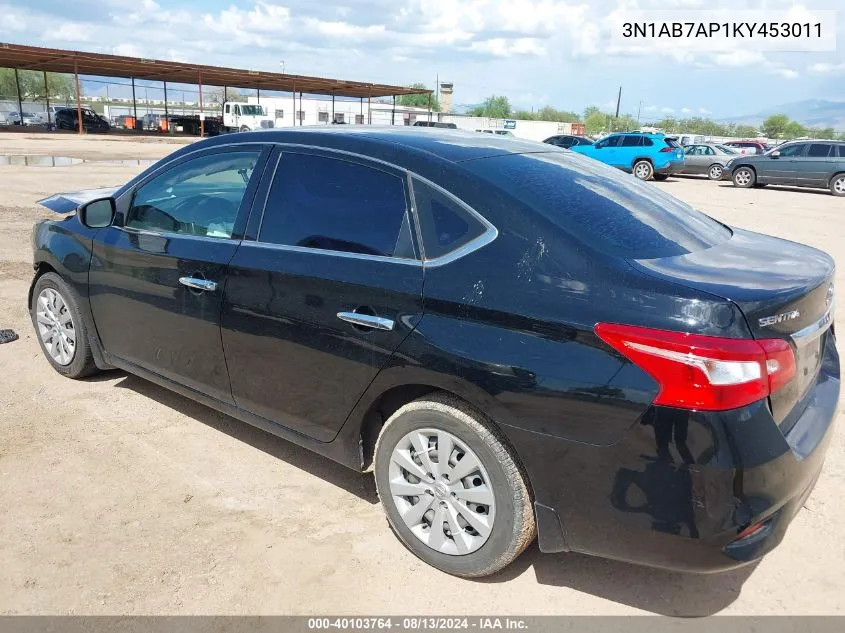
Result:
<point x="215" y="94"/>
<point x="794" y="130"/>
<point x="419" y="100"/>
<point x="745" y="131"/>
<point x="60" y="87"/>
<point x="775" y="126"/>
<point x="494" y="107"/>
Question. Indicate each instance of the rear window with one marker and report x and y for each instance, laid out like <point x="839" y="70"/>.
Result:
<point x="671" y="142"/>
<point x="602" y="206"/>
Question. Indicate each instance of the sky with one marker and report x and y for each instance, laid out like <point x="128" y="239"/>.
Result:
<point x="535" y="52"/>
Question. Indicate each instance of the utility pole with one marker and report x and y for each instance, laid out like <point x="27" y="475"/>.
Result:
<point x="639" y="108"/>
<point x="618" y="101"/>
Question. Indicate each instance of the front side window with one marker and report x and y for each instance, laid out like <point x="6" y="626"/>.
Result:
<point x="610" y="141"/>
<point x="793" y="150"/>
<point x="332" y="204"/>
<point x="445" y="224"/>
<point x="198" y="197"/>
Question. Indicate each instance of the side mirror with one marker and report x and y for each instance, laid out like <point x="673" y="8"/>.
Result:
<point x="775" y="154"/>
<point x="97" y="213"/>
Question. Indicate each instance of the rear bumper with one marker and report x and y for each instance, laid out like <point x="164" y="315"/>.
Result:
<point x="676" y="491"/>
<point x="673" y="167"/>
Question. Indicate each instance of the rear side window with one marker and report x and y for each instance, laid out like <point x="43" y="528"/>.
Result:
<point x="820" y="150"/>
<point x="602" y="207"/>
<point x="632" y="141"/>
<point x="647" y="142"/>
<point x="444" y="223"/>
<point x="327" y="203"/>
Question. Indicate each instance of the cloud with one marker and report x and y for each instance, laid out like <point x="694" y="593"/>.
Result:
<point x="704" y="111"/>
<point x="650" y="108"/>
<point x="13" y="22"/>
<point x="825" y="67"/>
<point x="69" y="32"/>
<point x="667" y="110"/>
<point x="739" y="58"/>
<point x="129" y="50"/>
<point x="780" y="71"/>
<point x="687" y="110"/>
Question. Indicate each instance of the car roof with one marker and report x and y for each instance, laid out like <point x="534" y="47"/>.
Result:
<point x="447" y="144"/>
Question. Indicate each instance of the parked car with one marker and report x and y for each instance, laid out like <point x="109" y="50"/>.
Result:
<point x="49" y="114"/>
<point x="517" y="341"/>
<point x="689" y="139"/>
<point x="440" y="124"/>
<point x="748" y="147"/>
<point x="568" y="140"/>
<point x="14" y="118"/>
<point x="68" y="119"/>
<point x="646" y="156"/>
<point x="707" y="158"/>
<point x="819" y="164"/>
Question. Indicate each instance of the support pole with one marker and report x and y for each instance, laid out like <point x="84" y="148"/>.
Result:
<point x="362" y="109"/>
<point x="20" y="102"/>
<point x="370" y="107"/>
<point x="393" y="112"/>
<point x="332" y="107"/>
<point x="78" y="99"/>
<point x="300" y="105"/>
<point x="225" y="94"/>
<point x="202" y="116"/>
<point x="166" y="115"/>
<point x="429" y="107"/>
<point x="47" y="97"/>
<point x="293" y="94"/>
<point x="134" y="107"/>
<point x="258" y="92"/>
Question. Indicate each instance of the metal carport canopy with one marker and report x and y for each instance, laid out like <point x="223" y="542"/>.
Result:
<point x="62" y="61"/>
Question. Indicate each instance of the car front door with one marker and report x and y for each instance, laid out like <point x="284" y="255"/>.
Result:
<point x="815" y="166"/>
<point x="694" y="159"/>
<point x="604" y="150"/>
<point x="629" y="148"/>
<point x="781" y="169"/>
<point x="157" y="275"/>
<point x="324" y="292"/>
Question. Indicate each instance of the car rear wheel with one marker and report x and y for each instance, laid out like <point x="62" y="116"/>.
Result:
<point x="60" y="329"/>
<point x="643" y="170"/>
<point x="744" y="177"/>
<point x="837" y="185"/>
<point x="715" y="172"/>
<point x="451" y="488"/>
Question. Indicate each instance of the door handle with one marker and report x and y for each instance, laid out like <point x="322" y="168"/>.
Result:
<point x="198" y="284"/>
<point x="366" y="320"/>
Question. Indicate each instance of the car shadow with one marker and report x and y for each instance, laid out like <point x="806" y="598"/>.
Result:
<point x="816" y="191"/>
<point x="359" y="484"/>
<point x="654" y="590"/>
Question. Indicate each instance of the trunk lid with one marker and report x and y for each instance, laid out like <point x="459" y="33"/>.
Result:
<point x="784" y="290"/>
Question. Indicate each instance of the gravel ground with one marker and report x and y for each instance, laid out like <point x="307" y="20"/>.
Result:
<point x="119" y="497"/>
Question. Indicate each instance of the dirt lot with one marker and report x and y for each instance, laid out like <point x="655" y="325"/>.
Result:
<point x="120" y="497"/>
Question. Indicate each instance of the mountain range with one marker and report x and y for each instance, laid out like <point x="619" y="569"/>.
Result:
<point x="810" y="113"/>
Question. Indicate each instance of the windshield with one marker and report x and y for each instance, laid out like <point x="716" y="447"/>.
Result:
<point x="602" y="206"/>
<point x="252" y="110"/>
<point x="727" y="150"/>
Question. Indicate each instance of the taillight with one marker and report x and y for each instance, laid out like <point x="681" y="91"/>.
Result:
<point x="703" y="372"/>
<point x="667" y="149"/>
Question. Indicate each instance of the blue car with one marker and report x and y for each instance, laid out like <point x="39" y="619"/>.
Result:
<point x="646" y="156"/>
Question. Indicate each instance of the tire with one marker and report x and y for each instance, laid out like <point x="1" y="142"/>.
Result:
<point x="744" y="177"/>
<point x="495" y="474"/>
<point x="244" y="128"/>
<point x="715" y="171"/>
<point x="837" y="185"/>
<point x="760" y="185"/>
<point x="660" y="177"/>
<point x="643" y="170"/>
<point x="78" y="362"/>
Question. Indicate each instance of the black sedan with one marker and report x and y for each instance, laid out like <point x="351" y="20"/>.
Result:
<point x="518" y="340"/>
<point x="567" y="140"/>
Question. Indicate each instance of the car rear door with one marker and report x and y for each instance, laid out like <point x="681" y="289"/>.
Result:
<point x="815" y="166"/>
<point x="157" y="275"/>
<point x="323" y="291"/>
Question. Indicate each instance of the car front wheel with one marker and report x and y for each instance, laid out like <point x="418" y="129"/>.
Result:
<point x="643" y="170"/>
<point x="744" y="177"/>
<point x="837" y="185"/>
<point x="451" y="488"/>
<point x="60" y="329"/>
<point x="715" y="172"/>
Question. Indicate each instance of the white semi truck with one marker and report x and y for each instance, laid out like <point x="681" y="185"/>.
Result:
<point x="237" y="117"/>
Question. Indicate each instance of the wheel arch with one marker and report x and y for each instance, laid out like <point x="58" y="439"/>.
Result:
<point x="833" y="176"/>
